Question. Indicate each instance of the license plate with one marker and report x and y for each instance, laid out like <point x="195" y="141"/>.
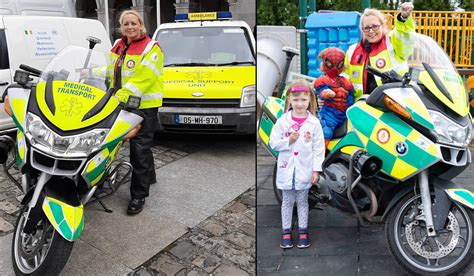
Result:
<point x="199" y="120"/>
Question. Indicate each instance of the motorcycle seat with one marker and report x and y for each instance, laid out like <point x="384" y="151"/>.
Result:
<point x="340" y="131"/>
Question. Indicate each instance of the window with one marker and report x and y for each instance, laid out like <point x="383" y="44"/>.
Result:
<point x="205" y="46"/>
<point x="4" y="62"/>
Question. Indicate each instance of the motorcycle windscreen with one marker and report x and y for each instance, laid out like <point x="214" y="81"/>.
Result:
<point x="435" y="70"/>
<point x="272" y="109"/>
<point x="66" y="219"/>
<point x="403" y="150"/>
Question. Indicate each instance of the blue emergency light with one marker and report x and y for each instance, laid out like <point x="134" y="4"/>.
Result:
<point x="201" y="16"/>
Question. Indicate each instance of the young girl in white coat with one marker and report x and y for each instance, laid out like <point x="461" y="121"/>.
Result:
<point x="298" y="137"/>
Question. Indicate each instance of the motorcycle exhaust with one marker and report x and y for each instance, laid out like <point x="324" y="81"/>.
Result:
<point x="367" y="166"/>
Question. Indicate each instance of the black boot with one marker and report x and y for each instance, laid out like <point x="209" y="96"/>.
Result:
<point x="135" y="206"/>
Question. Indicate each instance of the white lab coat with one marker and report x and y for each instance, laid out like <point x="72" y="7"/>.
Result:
<point x="302" y="157"/>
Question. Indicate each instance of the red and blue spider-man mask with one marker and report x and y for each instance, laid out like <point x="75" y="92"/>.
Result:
<point x="332" y="61"/>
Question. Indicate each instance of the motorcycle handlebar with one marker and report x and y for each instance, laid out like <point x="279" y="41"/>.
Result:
<point x="31" y="70"/>
<point x="388" y="76"/>
<point x="373" y="71"/>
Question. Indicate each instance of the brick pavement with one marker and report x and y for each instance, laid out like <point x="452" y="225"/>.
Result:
<point x="223" y="244"/>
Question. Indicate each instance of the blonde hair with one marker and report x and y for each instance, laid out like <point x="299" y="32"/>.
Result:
<point x="312" y="97"/>
<point x="380" y="16"/>
<point x="138" y="15"/>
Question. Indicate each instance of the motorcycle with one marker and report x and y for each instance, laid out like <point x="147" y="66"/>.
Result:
<point x="394" y="159"/>
<point x="70" y="130"/>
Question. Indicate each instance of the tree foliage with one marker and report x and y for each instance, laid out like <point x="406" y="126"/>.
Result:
<point x="467" y="5"/>
<point x="433" y="5"/>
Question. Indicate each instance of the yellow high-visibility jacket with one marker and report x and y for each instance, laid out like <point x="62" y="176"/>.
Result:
<point x="137" y="70"/>
<point x="390" y="53"/>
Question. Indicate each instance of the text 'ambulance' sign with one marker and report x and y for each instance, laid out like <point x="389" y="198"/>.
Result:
<point x="202" y="16"/>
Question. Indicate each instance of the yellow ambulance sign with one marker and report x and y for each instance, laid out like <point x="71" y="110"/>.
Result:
<point x="202" y="16"/>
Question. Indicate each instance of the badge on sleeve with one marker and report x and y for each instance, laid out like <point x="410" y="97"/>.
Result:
<point x="154" y="57"/>
<point x="380" y="63"/>
<point x="130" y="63"/>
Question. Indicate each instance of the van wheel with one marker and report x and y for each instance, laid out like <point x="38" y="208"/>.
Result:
<point x="43" y="252"/>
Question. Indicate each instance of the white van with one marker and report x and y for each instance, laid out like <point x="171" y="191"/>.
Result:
<point x="34" y="40"/>
<point x="38" y="7"/>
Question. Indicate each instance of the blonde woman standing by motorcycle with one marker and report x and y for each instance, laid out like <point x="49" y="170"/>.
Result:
<point x="138" y="74"/>
<point x="380" y="48"/>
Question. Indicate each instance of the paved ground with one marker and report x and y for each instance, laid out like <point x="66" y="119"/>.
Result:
<point x="197" y="177"/>
<point x="339" y="245"/>
<point x="223" y="244"/>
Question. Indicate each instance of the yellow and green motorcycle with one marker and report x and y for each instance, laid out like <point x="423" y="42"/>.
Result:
<point x="70" y="130"/>
<point x="394" y="159"/>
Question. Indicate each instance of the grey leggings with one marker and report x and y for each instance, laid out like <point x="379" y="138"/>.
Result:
<point x="288" y="201"/>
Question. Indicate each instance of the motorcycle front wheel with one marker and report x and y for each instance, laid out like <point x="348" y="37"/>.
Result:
<point x="43" y="252"/>
<point x="449" y="252"/>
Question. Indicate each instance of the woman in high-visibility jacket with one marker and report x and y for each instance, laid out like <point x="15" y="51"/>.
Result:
<point x="380" y="48"/>
<point x="137" y="70"/>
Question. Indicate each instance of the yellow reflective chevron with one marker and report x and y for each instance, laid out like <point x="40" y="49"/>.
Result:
<point x="462" y="196"/>
<point x="18" y="107"/>
<point x="66" y="219"/>
<point x="95" y="168"/>
<point x="72" y="102"/>
<point x="274" y="107"/>
<point x="332" y="144"/>
<point x="119" y="129"/>
<point x="21" y="149"/>
<point x="349" y="150"/>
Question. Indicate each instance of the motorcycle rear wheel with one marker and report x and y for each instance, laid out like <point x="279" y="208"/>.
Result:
<point x="45" y="252"/>
<point x="276" y="191"/>
<point x="450" y="252"/>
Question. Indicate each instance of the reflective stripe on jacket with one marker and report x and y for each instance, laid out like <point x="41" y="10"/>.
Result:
<point x="137" y="70"/>
<point x="390" y="53"/>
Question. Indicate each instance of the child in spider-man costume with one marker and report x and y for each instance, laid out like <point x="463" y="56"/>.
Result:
<point x="336" y="91"/>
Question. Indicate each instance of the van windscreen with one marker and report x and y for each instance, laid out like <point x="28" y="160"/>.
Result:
<point x="205" y="46"/>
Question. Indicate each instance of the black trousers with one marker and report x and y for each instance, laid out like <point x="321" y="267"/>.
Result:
<point x="141" y="156"/>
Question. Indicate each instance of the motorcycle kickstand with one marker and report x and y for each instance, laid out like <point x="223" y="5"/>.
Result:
<point x="107" y="210"/>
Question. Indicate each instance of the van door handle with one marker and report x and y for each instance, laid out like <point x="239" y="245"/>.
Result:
<point x="3" y="83"/>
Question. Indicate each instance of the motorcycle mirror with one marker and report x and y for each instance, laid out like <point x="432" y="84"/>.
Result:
<point x="93" y="41"/>
<point x="414" y="74"/>
<point x="290" y="52"/>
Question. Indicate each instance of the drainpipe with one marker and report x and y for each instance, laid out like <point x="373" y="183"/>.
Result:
<point x="303" y="36"/>
<point x="312" y="6"/>
<point x="365" y="4"/>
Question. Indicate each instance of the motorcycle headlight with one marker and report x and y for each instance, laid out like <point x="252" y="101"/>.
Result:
<point x="81" y="144"/>
<point x="248" y="96"/>
<point x="449" y="132"/>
